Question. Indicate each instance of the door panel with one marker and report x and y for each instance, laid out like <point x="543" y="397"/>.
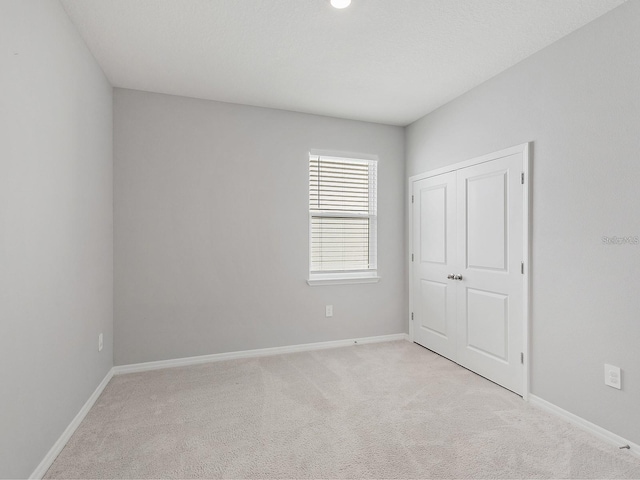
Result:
<point x="433" y="299"/>
<point x="488" y="323"/>
<point x="433" y="224"/>
<point x="434" y="220"/>
<point x="490" y="296"/>
<point x="486" y="206"/>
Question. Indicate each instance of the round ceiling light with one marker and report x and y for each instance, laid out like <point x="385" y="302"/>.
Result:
<point x="340" y="3"/>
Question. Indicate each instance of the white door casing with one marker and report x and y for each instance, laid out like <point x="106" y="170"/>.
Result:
<point x="470" y="221"/>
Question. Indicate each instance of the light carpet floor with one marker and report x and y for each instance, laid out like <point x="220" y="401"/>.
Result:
<point x="388" y="410"/>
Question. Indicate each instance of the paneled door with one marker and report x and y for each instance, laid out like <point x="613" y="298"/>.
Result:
<point x="467" y="271"/>
<point x="434" y="258"/>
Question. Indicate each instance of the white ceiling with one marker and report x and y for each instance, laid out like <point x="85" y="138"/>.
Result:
<point x="385" y="61"/>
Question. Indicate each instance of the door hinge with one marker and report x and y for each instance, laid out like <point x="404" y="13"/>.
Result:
<point x="412" y="198"/>
<point x="522" y="358"/>
<point x="411" y="315"/>
<point x="522" y="178"/>
<point x="412" y="257"/>
<point x="522" y="268"/>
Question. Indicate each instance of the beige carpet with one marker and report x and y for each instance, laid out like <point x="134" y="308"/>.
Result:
<point x="389" y="410"/>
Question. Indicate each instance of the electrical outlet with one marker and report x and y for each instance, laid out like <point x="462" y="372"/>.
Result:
<point x="612" y="376"/>
<point x="328" y="311"/>
<point x="100" y="344"/>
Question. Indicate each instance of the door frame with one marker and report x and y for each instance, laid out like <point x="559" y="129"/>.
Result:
<point x="524" y="150"/>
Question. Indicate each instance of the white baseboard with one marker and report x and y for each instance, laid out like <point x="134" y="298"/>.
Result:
<point x="49" y="458"/>
<point x="261" y="352"/>
<point x="585" y="425"/>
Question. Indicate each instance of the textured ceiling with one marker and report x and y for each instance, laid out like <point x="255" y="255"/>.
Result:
<point x="386" y="61"/>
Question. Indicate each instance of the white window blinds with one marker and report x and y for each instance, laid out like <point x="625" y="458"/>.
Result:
<point x="342" y="205"/>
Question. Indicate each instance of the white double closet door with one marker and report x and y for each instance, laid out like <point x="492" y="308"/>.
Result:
<point x="467" y="271"/>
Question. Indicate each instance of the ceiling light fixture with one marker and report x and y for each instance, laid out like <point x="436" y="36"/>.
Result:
<point x="340" y="3"/>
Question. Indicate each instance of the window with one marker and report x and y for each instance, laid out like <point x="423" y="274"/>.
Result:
<point x="342" y="220"/>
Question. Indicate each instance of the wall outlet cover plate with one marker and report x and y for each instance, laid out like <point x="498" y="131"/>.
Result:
<point x="612" y="376"/>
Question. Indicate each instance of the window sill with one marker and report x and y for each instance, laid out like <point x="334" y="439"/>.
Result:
<point x="341" y="279"/>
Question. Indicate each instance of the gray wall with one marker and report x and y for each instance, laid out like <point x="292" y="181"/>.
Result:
<point x="56" y="229"/>
<point x="211" y="229"/>
<point x="579" y="102"/>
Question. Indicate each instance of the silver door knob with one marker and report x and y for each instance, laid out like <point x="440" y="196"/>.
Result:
<point x="451" y="276"/>
<point x="457" y="277"/>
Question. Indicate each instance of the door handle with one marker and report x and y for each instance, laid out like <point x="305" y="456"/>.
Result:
<point x="457" y="277"/>
<point x="451" y="276"/>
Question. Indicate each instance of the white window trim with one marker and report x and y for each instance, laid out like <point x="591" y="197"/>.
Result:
<point x="349" y="277"/>
<point x="343" y="278"/>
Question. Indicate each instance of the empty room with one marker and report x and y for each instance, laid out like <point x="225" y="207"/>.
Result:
<point x="319" y="239"/>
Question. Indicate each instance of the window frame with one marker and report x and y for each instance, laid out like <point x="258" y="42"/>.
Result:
<point x="343" y="277"/>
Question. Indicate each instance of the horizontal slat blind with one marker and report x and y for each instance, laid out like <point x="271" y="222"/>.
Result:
<point x="338" y="186"/>
<point x="339" y="243"/>
<point x="342" y="206"/>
